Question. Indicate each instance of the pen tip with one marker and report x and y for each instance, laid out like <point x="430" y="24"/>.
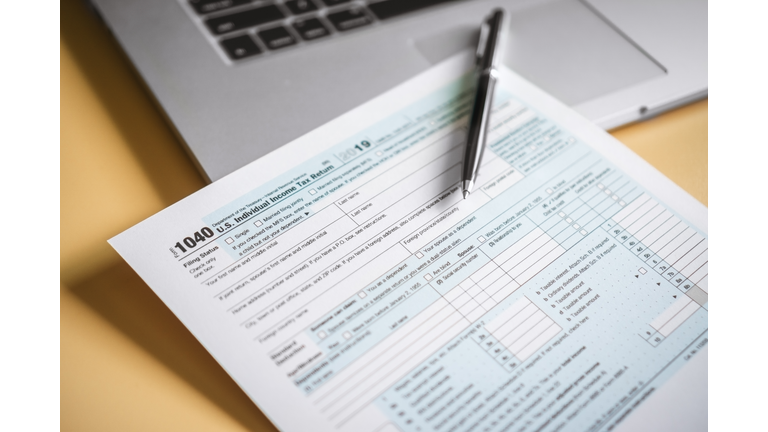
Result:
<point x="466" y="194"/>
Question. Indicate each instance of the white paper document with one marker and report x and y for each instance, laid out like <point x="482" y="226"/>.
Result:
<point x="345" y="285"/>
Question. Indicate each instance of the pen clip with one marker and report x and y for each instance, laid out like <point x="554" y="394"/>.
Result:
<point x="485" y="30"/>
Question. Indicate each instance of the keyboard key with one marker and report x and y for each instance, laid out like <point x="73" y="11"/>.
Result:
<point x="392" y="8"/>
<point x="240" y="47"/>
<point x="277" y="38"/>
<point x="335" y="2"/>
<point x="349" y="19"/>
<point x="208" y="6"/>
<point x="244" y="19"/>
<point x="311" y="29"/>
<point x="300" y="6"/>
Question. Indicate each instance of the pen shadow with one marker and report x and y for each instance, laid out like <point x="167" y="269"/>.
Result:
<point x="128" y="103"/>
<point x="123" y="299"/>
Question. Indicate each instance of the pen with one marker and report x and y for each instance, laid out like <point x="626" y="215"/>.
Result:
<point x="489" y="49"/>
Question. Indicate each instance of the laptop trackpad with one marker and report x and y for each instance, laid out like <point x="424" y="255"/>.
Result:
<point x="562" y="47"/>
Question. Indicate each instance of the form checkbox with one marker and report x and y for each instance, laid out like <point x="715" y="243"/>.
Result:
<point x="257" y="223"/>
<point x="481" y="239"/>
<point x="229" y="240"/>
<point x="561" y="214"/>
<point x="362" y="294"/>
<point x="569" y="220"/>
<point x="419" y="255"/>
<point x="428" y="277"/>
<point x="642" y="270"/>
<point x="312" y="191"/>
<point x="532" y="147"/>
<point x="607" y="191"/>
<point x="347" y="335"/>
<point x="583" y="232"/>
<point x="378" y="153"/>
<point x="322" y="335"/>
<point x="615" y="198"/>
<point x="622" y="203"/>
<point x="600" y="186"/>
<point x="549" y="191"/>
<point x="575" y="226"/>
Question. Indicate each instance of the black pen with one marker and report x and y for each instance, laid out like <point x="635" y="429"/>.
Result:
<point x="488" y="55"/>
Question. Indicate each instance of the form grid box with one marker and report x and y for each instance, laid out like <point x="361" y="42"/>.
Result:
<point x="475" y="314"/>
<point x="488" y="304"/>
<point x="523" y="328"/>
<point x="679" y="319"/>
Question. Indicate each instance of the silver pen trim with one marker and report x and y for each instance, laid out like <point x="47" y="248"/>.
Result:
<point x="466" y="187"/>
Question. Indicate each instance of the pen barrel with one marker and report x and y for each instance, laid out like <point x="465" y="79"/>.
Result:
<point x="478" y="125"/>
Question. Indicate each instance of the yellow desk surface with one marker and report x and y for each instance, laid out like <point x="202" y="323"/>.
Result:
<point x="126" y="362"/>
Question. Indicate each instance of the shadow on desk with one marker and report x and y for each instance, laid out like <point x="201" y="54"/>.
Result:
<point x="120" y="161"/>
<point x="128" y="104"/>
<point x="124" y="300"/>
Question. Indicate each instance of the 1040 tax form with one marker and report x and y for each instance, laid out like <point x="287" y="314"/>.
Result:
<point x="345" y="285"/>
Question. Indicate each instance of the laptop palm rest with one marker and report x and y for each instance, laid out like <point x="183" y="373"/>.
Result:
<point x="563" y="47"/>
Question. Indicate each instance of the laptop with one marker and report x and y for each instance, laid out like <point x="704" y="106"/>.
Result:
<point x="237" y="79"/>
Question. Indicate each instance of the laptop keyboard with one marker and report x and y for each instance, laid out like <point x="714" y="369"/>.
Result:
<point x="247" y="29"/>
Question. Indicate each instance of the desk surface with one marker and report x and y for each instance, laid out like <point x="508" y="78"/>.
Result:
<point x="126" y="362"/>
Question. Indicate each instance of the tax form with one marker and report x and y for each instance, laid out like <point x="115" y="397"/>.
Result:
<point x="345" y="285"/>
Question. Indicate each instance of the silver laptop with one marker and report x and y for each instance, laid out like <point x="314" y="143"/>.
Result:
<point x="239" y="78"/>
